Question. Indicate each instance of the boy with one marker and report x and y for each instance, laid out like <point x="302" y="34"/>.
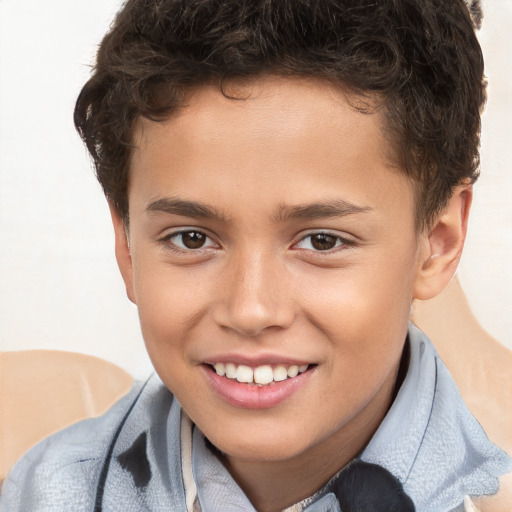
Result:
<point x="284" y="178"/>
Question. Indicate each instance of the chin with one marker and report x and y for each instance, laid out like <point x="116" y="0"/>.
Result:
<point x="262" y="448"/>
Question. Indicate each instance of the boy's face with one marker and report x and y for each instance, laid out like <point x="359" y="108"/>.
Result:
<point x="273" y="231"/>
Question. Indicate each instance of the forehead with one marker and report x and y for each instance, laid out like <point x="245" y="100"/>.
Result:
<point x="276" y="134"/>
<point x="265" y="105"/>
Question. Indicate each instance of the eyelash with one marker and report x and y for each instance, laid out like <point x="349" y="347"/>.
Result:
<point x="341" y="243"/>
<point x="167" y="240"/>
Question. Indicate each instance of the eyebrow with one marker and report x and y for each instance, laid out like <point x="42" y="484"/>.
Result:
<point x="194" y="209"/>
<point x="322" y="210"/>
<point x="174" y="206"/>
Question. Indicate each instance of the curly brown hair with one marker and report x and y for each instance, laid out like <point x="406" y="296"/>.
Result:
<point x="420" y="57"/>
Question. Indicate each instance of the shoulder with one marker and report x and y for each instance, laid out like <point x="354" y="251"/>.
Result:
<point x="478" y="466"/>
<point x="64" y="468"/>
<point x="430" y="441"/>
<point x="499" y="502"/>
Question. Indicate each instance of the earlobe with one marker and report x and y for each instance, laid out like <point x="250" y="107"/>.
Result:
<point x="122" y="248"/>
<point x="443" y="245"/>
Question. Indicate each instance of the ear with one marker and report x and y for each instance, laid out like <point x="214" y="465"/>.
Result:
<point x="123" y="255"/>
<point x="443" y="244"/>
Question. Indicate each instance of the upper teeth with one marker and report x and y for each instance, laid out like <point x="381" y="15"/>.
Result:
<point x="261" y="374"/>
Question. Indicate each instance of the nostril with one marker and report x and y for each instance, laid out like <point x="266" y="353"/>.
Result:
<point x="253" y="322"/>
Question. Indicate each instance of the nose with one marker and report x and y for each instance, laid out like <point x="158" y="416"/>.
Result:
<point x="255" y="296"/>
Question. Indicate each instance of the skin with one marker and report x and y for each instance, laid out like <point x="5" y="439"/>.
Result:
<point x="259" y="288"/>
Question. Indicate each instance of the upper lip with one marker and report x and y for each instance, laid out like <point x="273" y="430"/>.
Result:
<point x="254" y="361"/>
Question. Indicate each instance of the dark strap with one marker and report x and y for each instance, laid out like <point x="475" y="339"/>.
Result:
<point x="365" y="487"/>
<point x="100" y="488"/>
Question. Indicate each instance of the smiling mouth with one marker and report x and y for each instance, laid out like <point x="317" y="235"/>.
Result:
<point x="263" y="375"/>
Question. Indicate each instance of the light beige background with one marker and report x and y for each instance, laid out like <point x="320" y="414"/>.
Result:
<point x="59" y="285"/>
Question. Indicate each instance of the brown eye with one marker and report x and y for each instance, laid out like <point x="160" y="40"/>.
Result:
<point x="189" y="241"/>
<point x="193" y="239"/>
<point x="323" y="242"/>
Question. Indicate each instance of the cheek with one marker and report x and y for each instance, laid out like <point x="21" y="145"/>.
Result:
<point x="365" y="316"/>
<point x="167" y="299"/>
<point x="365" y="299"/>
<point x="173" y="304"/>
<point x="166" y="313"/>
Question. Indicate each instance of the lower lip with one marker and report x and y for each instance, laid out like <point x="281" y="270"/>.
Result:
<point x="251" y="396"/>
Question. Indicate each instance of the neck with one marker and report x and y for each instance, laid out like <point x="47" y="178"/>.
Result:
<point x="272" y="486"/>
<point x="275" y="485"/>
